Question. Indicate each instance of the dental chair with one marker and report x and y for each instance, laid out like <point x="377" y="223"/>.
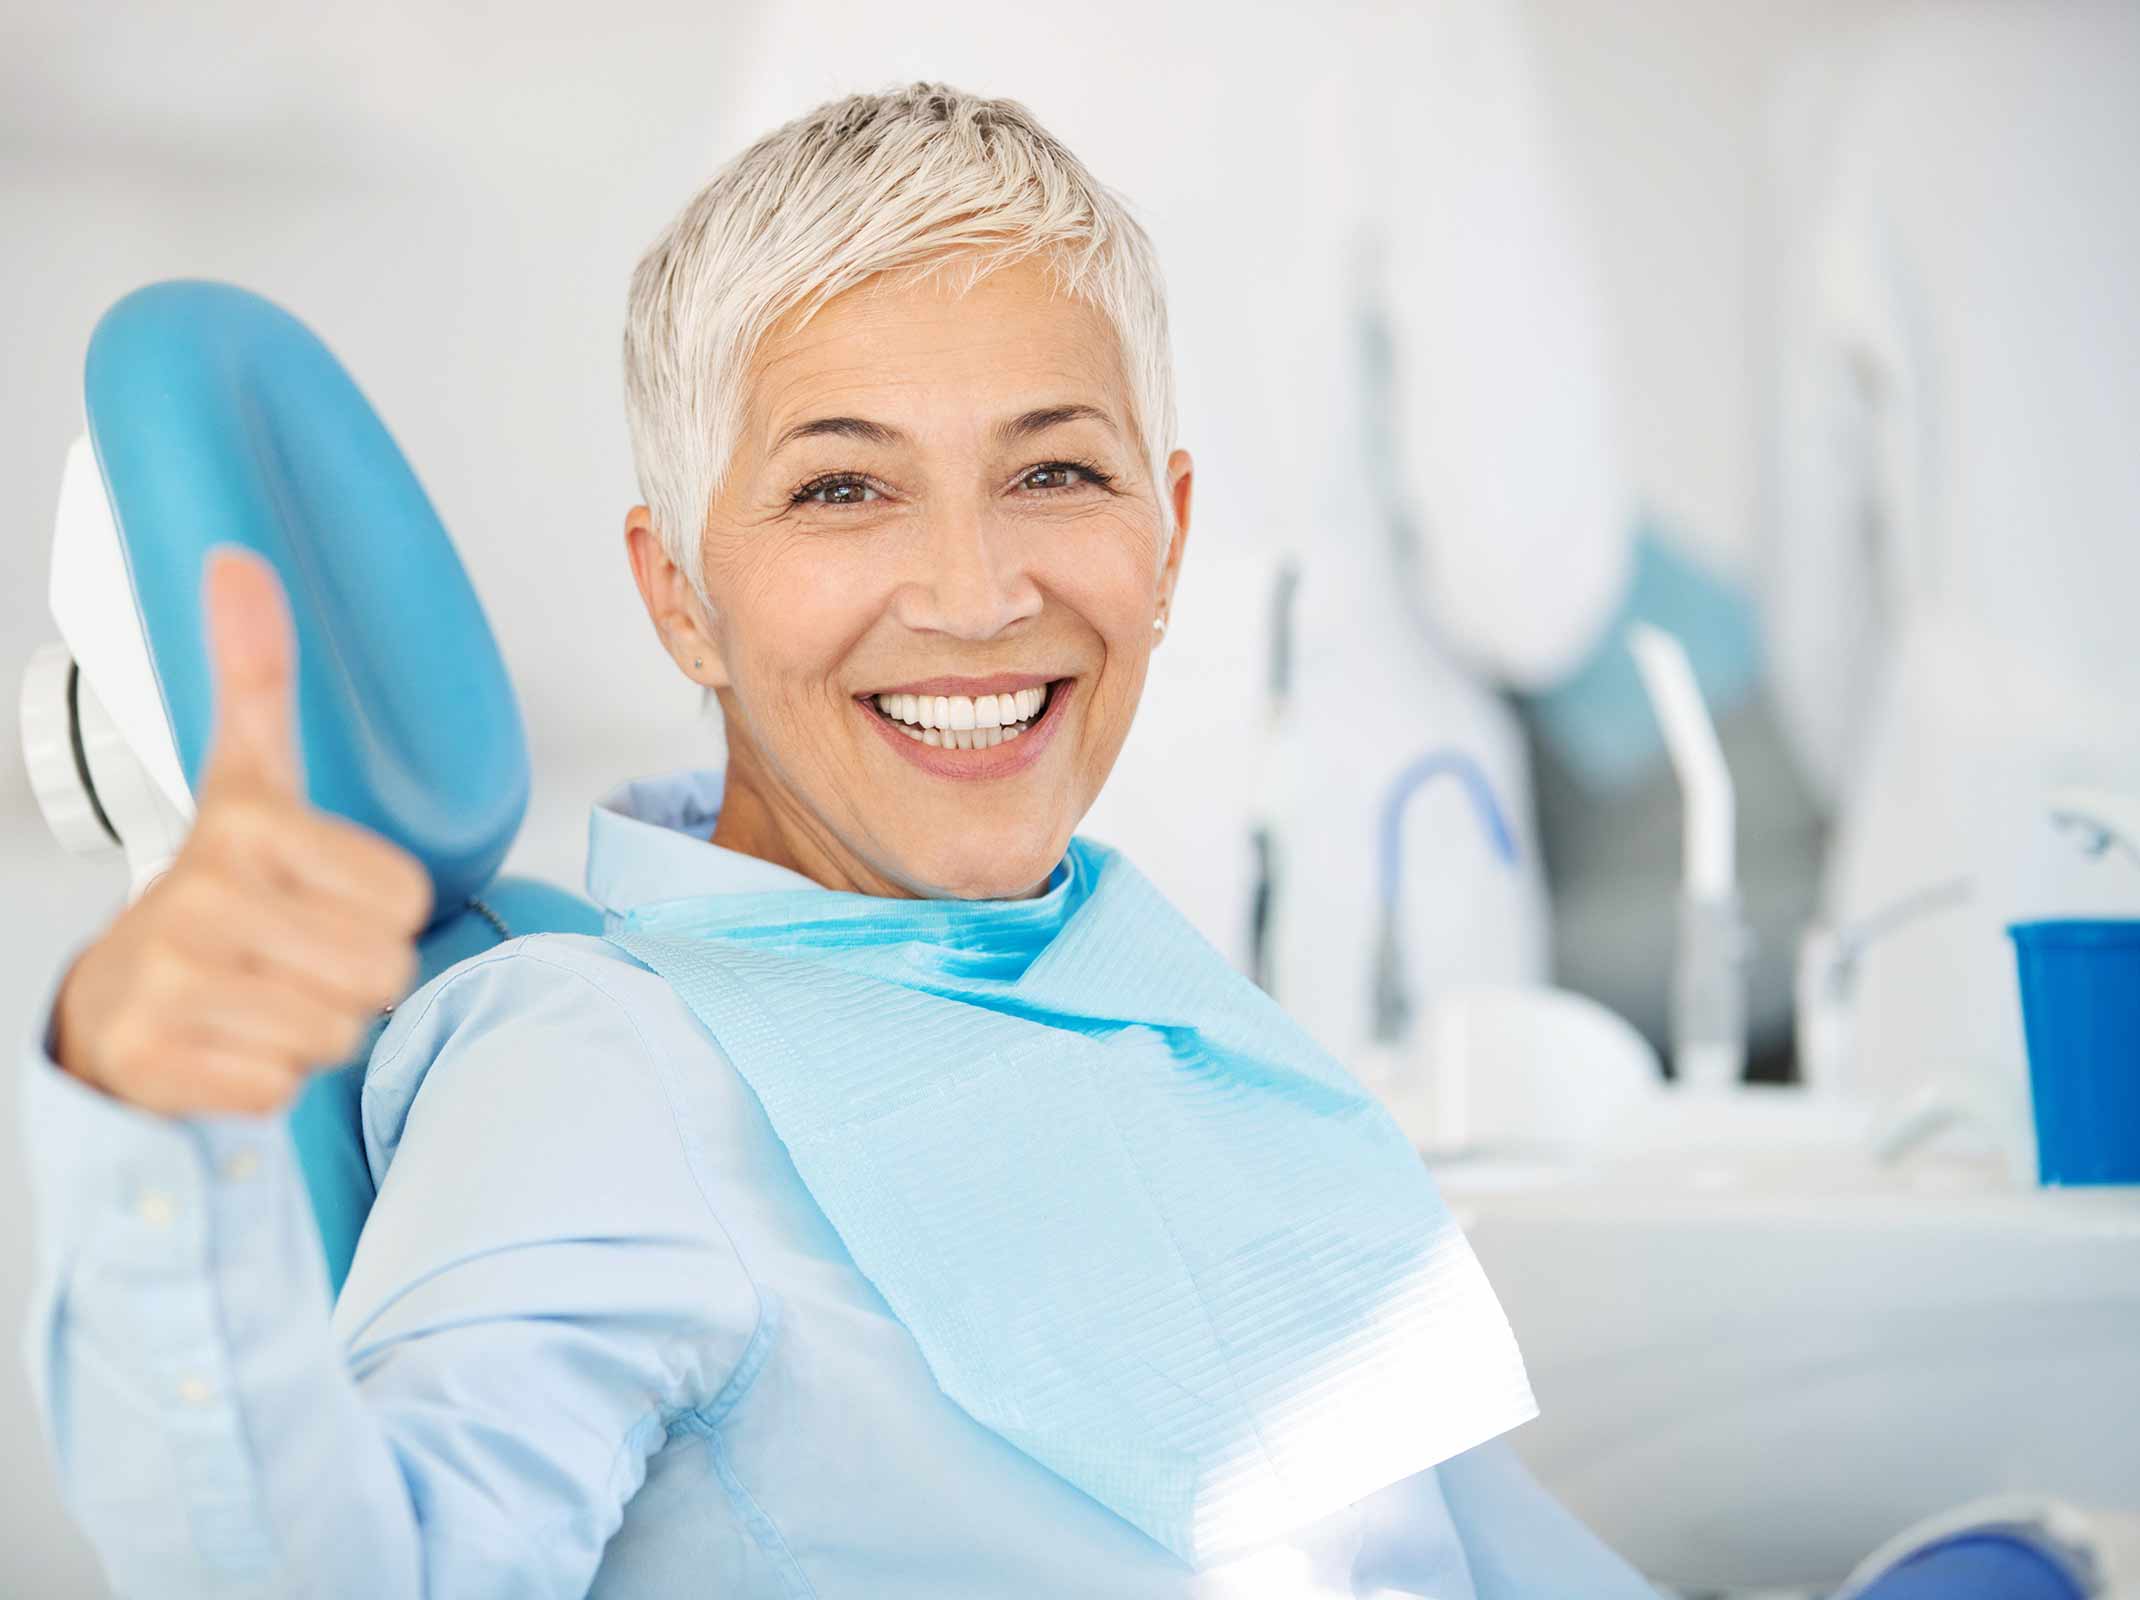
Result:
<point x="214" y="416"/>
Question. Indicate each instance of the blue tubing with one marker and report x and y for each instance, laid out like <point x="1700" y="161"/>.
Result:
<point x="1443" y="762"/>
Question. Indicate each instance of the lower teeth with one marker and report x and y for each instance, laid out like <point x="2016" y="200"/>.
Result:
<point x="963" y="738"/>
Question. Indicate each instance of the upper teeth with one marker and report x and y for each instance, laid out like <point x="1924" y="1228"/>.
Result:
<point x="963" y="712"/>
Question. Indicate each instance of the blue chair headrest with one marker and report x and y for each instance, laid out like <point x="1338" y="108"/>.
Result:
<point x="218" y="417"/>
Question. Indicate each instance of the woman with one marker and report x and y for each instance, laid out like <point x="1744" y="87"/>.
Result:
<point x="898" y="1199"/>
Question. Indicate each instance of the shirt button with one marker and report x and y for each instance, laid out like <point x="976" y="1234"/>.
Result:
<point x="241" y="1166"/>
<point x="157" y="1208"/>
<point x="195" y="1391"/>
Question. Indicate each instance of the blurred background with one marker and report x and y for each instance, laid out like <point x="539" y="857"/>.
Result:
<point x="1803" y="330"/>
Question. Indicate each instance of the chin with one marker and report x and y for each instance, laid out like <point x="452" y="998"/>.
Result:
<point x="968" y="873"/>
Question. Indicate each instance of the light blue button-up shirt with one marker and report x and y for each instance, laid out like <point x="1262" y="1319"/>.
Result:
<point x="597" y="1337"/>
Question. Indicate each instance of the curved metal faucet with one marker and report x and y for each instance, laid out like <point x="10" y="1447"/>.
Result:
<point x="1392" y="999"/>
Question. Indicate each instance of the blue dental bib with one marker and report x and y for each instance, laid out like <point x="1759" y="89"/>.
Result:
<point x="1138" y="1222"/>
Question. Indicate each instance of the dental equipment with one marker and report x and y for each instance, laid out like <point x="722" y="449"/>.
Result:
<point x="1431" y="1113"/>
<point x="1392" y="999"/>
<point x="1709" y="969"/>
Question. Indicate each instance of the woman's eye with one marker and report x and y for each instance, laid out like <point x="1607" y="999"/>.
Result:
<point x="834" y="492"/>
<point x="1063" y="473"/>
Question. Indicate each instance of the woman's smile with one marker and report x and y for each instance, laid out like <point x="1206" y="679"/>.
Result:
<point x="971" y="728"/>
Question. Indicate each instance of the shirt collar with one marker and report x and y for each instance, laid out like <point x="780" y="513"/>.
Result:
<point x="648" y="839"/>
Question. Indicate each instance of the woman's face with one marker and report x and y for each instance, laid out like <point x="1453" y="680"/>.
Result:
<point x="934" y="568"/>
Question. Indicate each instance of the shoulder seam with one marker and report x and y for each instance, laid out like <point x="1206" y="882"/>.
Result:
<point x="503" y="951"/>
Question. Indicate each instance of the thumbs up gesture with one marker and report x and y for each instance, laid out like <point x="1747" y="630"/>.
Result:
<point x="278" y="933"/>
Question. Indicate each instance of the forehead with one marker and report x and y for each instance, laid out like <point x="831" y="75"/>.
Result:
<point x="936" y="348"/>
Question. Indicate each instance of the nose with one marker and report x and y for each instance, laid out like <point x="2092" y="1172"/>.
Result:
<point x="974" y="582"/>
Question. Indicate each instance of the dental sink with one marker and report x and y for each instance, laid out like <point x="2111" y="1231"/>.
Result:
<point x="1758" y="1354"/>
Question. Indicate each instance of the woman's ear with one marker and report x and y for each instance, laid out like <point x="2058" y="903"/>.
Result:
<point x="671" y="603"/>
<point x="1181" y="474"/>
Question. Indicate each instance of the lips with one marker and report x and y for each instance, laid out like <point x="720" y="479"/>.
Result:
<point x="967" y="735"/>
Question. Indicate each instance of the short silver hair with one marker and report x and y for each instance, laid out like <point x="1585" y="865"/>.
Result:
<point x="899" y="182"/>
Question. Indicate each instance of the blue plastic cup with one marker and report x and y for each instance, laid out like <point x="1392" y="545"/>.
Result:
<point x="2080" y="1006"/>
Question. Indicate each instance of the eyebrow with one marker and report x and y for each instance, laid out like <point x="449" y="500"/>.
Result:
<point x="1028" y="423"/>
<point x="1022" y="426"/>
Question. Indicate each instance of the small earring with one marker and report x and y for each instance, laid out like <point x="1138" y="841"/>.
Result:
<point x="696" y="662"/>
<point x="1159" y="624"/>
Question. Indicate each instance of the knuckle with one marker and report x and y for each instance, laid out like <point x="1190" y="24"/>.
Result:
<point x="196" y="900"/>
<point x="162" y="973"/>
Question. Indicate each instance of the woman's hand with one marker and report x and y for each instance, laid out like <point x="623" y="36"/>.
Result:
<point x="279" y="931"/>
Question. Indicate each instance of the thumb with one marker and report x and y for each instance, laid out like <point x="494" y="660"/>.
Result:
<point x="252" y="645"/>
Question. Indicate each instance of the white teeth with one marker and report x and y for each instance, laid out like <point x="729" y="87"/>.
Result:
<point x="963" y="722"/>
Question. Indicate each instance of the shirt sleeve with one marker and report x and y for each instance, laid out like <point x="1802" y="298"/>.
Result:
<point x="541" y="1290"/>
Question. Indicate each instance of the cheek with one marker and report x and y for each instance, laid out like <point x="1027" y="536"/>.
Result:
<point x="1112" y="586"/>
<point x="795" y="616"/>
<point x="1112" y="582"/>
